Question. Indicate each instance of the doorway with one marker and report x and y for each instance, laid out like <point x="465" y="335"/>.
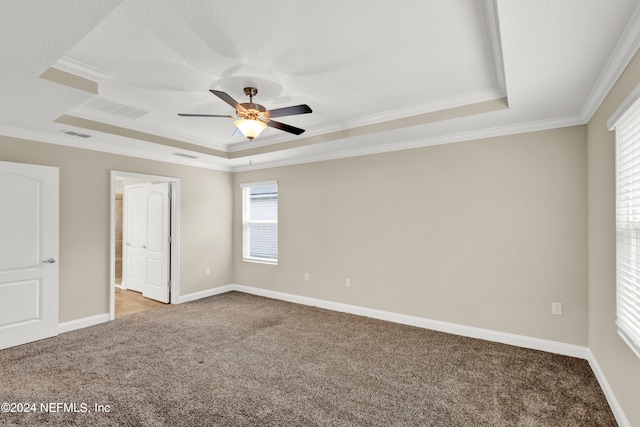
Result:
<point x="164" y="232"/>
<point x="129" y="302"/>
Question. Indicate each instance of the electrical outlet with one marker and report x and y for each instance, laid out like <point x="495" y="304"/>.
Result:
<point x="207" y="271"/>
<point x="347" y="283"/>
<point x="306" y="277"/>
<point x="556" y="308"/>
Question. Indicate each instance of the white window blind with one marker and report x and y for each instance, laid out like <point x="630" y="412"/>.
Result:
<point x="260" y="222"/>
<point x="628" y="226"/>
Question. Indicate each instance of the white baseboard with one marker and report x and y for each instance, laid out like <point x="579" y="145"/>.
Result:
<point x="204" y="294"/>
<point x="451" y="328"/>
<point x="85" y="322"/>
<point x="608" y="392"/>
<point x="421" y="322"/>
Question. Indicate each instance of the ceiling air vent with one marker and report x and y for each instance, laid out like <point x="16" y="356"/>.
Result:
<point x="115" y="108"/>
<point x="188" y="156"/>
<point x="72" y="133"/>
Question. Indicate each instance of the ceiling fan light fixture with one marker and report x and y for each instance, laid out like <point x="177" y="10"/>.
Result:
<point x="250" y="128"/>
<point x="254" y="118"/>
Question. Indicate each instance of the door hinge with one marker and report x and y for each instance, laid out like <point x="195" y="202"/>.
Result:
<point x="169" y="284"/>
<point x="170" y="239"/>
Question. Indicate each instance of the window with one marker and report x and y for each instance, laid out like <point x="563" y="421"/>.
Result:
<point x="260" y="222"/>
<point x="627" y="126"/>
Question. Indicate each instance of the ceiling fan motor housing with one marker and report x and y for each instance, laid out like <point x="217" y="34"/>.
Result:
<point x="253" y="111"/>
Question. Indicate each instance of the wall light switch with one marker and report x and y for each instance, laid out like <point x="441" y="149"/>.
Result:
<point x="306" y="277"/>
<point x="347" y="283"/>
<point x="556" y="308"/>
<point x="207" y="271"/>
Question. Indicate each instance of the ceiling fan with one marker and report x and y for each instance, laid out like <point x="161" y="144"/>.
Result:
<point x="254" y="118"/>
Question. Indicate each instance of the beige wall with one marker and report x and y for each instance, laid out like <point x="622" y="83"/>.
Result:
<point x="205" y="221"/>
<point x="620" y="366"/>
<point x="482" y="233"/>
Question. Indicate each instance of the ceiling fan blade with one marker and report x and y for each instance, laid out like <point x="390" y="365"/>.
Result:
<point x="228" y="99"/>
<point x="290" y="111"/>
<point x="285" y="127"/>
<point x="203" y="115"/>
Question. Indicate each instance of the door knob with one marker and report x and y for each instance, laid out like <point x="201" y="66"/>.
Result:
<point x="50" y="260"/>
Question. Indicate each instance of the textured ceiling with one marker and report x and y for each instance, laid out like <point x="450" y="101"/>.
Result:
<point x="378" y="75"/>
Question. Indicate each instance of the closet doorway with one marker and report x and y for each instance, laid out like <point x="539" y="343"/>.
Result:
<point x="144" y="239"/>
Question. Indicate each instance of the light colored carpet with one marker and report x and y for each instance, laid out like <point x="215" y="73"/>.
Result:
<point x="242" y="360"/>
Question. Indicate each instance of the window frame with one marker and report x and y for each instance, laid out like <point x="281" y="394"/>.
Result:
<point x="247" y="222"/>
<point x="626" y="122"/>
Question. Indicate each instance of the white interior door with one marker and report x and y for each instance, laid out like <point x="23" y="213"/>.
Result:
<point x="28" y="253"/>
<point x="147" y="247"/>
<point x="135" y="236"/>
<point x="158" y="248"/>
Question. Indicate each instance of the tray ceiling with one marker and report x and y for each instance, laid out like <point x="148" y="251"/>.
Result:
<point x="378" y="77"/>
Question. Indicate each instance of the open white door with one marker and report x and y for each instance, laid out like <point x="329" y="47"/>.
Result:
<point x="135" y="237"/>
<point x="28" y="253"/>
<point x="158" y="210"/>
<point x="147" y="226"/>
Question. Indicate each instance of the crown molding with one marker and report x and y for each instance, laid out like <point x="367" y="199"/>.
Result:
<point x="463" y="100"/>
<point x="623" y="53"/>
<point x="495" y="40"/>
<point x="497" y="131"/>
<point x="95" y="145"/>
<point x="518" y="128"/>
<point x="81" y="69"/>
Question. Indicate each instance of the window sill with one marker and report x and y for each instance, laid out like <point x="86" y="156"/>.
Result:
<point x="261" y="261"/>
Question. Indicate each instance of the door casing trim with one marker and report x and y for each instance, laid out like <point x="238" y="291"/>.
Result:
<point x="174" y="276"/>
